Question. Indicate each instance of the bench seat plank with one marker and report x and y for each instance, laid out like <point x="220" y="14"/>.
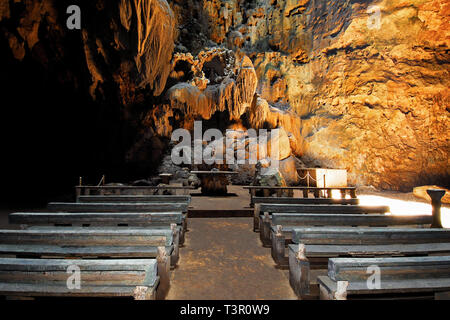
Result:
<point x="320" y="208"/>
<point x="391" y="286"/>
<point x="287" y="200"/>
<point x="330" y="251"/>
<point x="291" y="220"/>
<point x="96" y="217"/>
<point x="330" y="235"/>
<point x="47" y="277"/>
<point x="74" y="251"/>
<point x="311" y="219"/>
<point x="134" y="198"/>
<point x="118" y="207"/>
<point x="391" y="268"/>
<point x="70" y="236"/>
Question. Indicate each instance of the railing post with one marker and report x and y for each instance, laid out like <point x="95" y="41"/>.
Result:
<point x="436" y="196"/>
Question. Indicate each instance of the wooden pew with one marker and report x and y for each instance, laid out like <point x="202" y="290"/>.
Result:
<point x="131" y="198"/>
<point x="132" y="242"/>
<point x="69" y="242"/>
<point x="308" y="256"/>
<point x="288" y="221"/>
<point x="137" y="278"/>
<point x="270" y="208"/>
<point x="317" y="191"/>
<point x="418" y="277"/>
<point x="283" y="200"/>
<point x="121" y="207"/>
<point x="130" y="190"/>
<point x="101" y="219"/>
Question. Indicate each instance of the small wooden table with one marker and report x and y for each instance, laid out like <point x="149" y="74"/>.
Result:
<point x="165" y="177"/>
<point x="214" y="182"/>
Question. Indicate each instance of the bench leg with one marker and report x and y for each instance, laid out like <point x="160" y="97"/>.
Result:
<point x="264" y="231"/>
<point x="279" y="248"/>
<point x="256" y="214"/>
<point x="176" y="246"/>
<point x="325" y="294"/>
<point x="182" y="236"/>
<point x="339" y="294"/>
<point x="163" y="273"/>
<point x="144" y="293"/>
<point x="252" y="194"/>
<point x="299" y="272"/>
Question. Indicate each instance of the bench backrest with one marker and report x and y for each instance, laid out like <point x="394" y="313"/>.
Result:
<point x="120" y="236"/>
<point x="103" y="218"/>
<point x="401" y="268"/>
<point x="118" y="207"/>
<point x="131" y="198"/>
<point x="309" y="219"/>
<point x="343" y="235"/>
<point x="330" y="209"/>
<point x="287" y="200"/>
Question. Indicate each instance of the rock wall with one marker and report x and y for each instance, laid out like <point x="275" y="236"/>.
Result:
<point x="350" y="90"/>
<point x="368" y="95"/>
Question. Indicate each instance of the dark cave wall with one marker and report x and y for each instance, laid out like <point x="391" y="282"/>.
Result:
<point x="71" y="99"/>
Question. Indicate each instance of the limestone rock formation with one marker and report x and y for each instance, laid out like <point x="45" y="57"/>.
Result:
<point x="421" y="192"/>
<point x="364" y="84"/>
<point x="360" y="85"/>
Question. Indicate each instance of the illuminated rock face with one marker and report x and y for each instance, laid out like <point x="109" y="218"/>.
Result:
<point x="369" y="92"/>
<point x="361" y="85"/>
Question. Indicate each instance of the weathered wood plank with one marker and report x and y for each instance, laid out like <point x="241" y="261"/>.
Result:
<point x="118" y="207"/>
<point x="387" y="287"/>
<point x="308" y="219"/>
<point x="47" y="277"/>
<point x="74" y="251"/>
<point x="290" y="221"/>
<point x="330" y="251"/>
<point x="70" y="236"/>
<point x="343" y="235"/>
<point x="391" y="268"/>
<point x="104" y="218"/>
<point x="286" y="200"/>
<point x="331" y="209"/>
<point x="134" y="198"/>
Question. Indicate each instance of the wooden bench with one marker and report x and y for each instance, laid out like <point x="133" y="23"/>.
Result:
<point x="137" y="278"/>
<point x="317" y="191"/>
<point x="131" y="198"/>
<point x="129" y="190"/>
<point x="101" y="219"/>
<point x="69" y="242"/>
<point x="132" y="242"/>
<point x="269" y="208"/>
<point x="308" y="256"/>
<point x="286" y="222"/>
<point x="418" y="277"/>
<point x="118" y="207"/>
<point x="282" y="200"/>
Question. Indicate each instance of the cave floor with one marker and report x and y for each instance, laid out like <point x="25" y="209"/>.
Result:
<point x="223" y="259"/>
